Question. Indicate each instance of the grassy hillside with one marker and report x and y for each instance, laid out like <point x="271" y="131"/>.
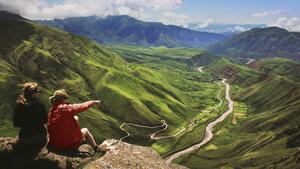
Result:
<point x="174" y="66"/>
<point x="263" y="131"/>
<point x="155" y="54"/>
<point x="191" y="57"/>
<point x="236" y="73"/>
<point x="131" y="92"/>
<point x="146" y="85"/>
<point x="260" y="43"/>
<point x="278" y="66"/>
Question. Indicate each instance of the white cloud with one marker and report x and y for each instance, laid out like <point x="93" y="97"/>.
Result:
<point x="267" y="13"/>
<point x="291" y="24"/>
<point x="172" y="18"/>
<point x="205" y="23"/>
<point x="239" y="29"/>
<point x="41" y="9"/>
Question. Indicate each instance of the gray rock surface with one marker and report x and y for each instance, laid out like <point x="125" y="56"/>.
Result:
<point x="121" y="155"/>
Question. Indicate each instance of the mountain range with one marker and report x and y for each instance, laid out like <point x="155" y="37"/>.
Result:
<point x="127" y="30"/>
<point x="260" y="43"/>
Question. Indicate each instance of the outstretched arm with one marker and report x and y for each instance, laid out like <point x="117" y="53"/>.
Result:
<point x="73" y="109"/>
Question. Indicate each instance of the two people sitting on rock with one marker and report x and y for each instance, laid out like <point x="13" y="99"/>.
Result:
<point x="63" y="124"/>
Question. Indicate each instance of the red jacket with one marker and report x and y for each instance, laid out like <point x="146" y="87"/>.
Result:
<point x="64" y="132"/>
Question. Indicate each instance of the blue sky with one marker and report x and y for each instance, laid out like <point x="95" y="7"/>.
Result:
<point x="283" y="13"/>
<point x="240" y="11"/>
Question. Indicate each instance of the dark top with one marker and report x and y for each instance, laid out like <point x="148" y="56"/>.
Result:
<point x="30" y="117"/>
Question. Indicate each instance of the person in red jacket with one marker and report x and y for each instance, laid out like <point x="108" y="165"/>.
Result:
<point x="63" y="124"/>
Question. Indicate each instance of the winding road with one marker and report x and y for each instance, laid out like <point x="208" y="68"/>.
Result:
<point x="164" y="125"/>
<point x="200" y="69"/>
<point x="208" y="130"/>
<point x="250" y="61"/>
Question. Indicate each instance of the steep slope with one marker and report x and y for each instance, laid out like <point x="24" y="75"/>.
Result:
<point x="56" y="59"/>
<point x="260" y="43"/>
<point x="201" y="59"/>
<point x="279" y="66"/>
<point x="130" y="31"/>
<point x="239" y="74"/>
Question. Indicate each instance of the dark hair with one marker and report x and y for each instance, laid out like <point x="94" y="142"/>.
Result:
<point x="29" y="88"/>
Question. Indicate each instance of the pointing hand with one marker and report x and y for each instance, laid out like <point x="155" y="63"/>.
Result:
<point x="97" y="102"/>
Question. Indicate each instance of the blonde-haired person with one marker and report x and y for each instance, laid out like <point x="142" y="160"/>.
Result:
<point x="63" y="125"/>
<point x="31" y="116"/>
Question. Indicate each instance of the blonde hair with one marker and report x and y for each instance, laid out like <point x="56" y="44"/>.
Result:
<point x="29" y="88"/>
<point x="58" y="95"/>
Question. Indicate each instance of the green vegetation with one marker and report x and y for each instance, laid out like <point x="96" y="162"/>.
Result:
<point x="262" y="131"/>
<point x="131" y="92"/>
<point x="155" y="54"/>
<point x="260" y="43"/>
<point x="146" y="85"/>
<point x="279" y="66"/>
<point x="236" y="73"/>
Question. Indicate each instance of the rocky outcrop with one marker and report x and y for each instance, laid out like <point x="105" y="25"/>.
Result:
<point x="14" y="155"/>
<point x="119" y="155"/>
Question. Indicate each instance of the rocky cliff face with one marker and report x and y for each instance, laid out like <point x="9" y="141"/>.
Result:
<point x="119" y="155"/>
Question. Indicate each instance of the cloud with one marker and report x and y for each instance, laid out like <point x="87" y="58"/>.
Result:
<point x="42" y="9"/>
<point x="291" y="24"/>
<point x="267" y="13"/>
<point x="8" y="8"/>
<point x="172" y="18"/>
<point x="205" y="23"/>
<point x="239" y="29"/>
